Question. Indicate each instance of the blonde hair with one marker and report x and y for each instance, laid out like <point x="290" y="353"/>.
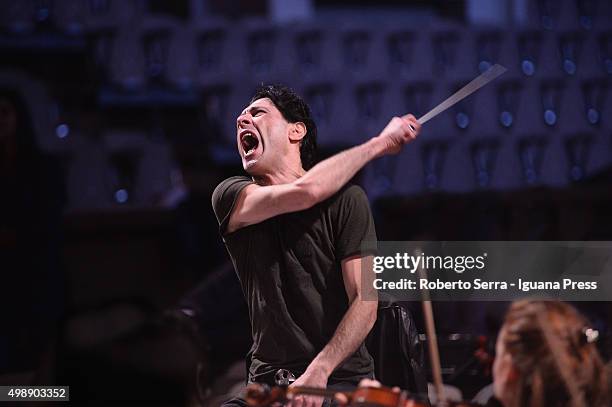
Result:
<point x="557" y="363"/>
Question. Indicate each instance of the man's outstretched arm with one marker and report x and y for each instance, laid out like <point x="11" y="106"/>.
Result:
<point x="257" y="203"/>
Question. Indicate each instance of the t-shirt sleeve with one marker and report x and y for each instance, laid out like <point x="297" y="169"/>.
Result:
<point x="224" y="198"/>
<point x="356" y="234"/>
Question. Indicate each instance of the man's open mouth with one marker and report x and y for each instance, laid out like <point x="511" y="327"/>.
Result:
<point x="249" y="143"/>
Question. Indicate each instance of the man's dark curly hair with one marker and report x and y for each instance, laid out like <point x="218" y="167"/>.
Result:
<point x="294" y="109"/>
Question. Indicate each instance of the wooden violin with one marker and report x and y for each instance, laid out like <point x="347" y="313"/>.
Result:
<point x="259" y="395"/>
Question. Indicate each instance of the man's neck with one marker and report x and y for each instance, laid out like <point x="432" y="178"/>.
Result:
<point x="280" y="176"/>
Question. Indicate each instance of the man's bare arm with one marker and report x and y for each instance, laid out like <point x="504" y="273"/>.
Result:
<point x="358" y="320"/>
<point x="350" y="333"/>
<point x="257" y="203"/>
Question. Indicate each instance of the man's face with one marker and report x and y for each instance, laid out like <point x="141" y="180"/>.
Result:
<point x="262" y="136"/>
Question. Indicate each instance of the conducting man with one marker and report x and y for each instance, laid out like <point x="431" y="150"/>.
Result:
<point x="297" y="235"/>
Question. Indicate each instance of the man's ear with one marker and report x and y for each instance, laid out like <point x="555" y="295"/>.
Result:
<point x="297" y="132"/>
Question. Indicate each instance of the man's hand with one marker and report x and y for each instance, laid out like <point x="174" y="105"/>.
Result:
<point x="399" y="131"/>
<point x="310" y="378"/>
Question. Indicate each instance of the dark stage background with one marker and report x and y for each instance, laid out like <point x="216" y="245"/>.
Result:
<point x="117" y="121"/>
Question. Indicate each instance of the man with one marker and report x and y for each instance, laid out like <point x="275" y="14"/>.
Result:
<point x="296" y="237"/>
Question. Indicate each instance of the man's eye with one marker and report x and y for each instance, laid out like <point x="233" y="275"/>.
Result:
<point x="258" y="113"/>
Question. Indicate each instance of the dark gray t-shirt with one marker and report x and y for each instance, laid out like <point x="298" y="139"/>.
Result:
<point x="289" y="268"/>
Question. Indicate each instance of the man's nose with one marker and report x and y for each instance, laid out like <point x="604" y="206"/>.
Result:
<point x="245" y="119"/>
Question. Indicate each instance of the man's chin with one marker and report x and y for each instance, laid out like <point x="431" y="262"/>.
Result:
<point x="251" y="166"/>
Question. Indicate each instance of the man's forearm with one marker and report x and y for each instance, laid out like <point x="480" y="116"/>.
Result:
<point x="328" y="176"/>
<point x="351" y="332"/>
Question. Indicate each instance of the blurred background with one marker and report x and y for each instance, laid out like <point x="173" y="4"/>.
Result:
<point x="117" y="121"/>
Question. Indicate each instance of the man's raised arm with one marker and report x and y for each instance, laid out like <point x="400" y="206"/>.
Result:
<point x="257" y="203"/>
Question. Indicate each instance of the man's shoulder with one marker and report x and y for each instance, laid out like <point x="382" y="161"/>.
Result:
<point x="228" y="183"/>
<point x="348" y="198"/>
<point x="233" y="180"/>
<point x="351" y="193"/>
<point x="224" y="194"/>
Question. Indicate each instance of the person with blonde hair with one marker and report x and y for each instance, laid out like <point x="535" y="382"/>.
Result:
<point x="546" y="355"/>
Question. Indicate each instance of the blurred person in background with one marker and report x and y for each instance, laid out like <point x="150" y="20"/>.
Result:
<point x="33" y="195"/>
<point x="298" y="236"/>
<point x="546" y="355"/>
